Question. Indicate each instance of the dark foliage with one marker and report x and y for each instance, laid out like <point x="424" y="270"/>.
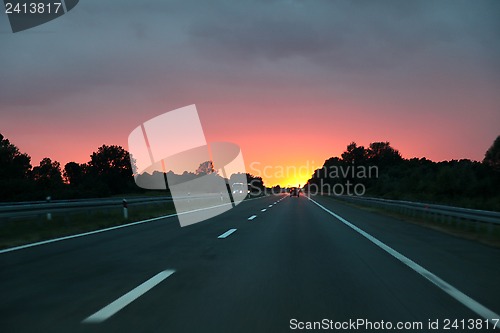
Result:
<point x="108" y="172"/>
<point x="463" y="183"/>
<point x="492" y="156"/>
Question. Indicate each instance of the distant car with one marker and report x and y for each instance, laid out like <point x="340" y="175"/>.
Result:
<point x="294" y="192"/>
<point x="240" y="188"/>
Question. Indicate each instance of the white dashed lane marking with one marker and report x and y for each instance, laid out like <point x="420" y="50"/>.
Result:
<point x="128" y="298"/>
<point x="227" y="233"/>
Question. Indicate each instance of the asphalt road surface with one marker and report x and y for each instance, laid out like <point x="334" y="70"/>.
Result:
<point x="290" y="262"/>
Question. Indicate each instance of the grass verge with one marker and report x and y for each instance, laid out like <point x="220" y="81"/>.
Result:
<point x="20" y="231"/>
<point x="485" y="233"/>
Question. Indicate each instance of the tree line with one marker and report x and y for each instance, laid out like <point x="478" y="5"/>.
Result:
<point x="108" y="172"/>
<point x="462" y="182"/>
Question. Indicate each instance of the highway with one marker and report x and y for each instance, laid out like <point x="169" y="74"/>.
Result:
<point x="289" y="261"/>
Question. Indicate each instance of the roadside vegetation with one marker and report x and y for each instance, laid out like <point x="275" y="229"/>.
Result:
<point x="107" y="173"/>
<point x="462" y="183"/>
<point x="485" y="233"/>
<point x="18" y="231"/>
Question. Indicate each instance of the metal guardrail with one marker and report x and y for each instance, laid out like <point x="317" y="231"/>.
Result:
<point x="413" y="208"/>
<point x="44" y="208"/>
<point x="73" y="204"/>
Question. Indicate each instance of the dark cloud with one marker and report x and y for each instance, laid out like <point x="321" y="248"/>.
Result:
<point x="139" y="44"/>
<point x="348" y="34"/>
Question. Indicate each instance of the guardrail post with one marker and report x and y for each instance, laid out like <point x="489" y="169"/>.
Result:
<point x="49" y="215"/>
<point x="125" y="209"/>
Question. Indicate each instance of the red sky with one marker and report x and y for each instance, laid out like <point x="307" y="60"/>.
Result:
<point x="299" y="139"/>
<point x="292" y="84"/>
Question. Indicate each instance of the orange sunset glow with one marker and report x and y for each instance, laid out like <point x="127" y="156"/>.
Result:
<point x="292" y="99"/>
<point x="250" y="166"/>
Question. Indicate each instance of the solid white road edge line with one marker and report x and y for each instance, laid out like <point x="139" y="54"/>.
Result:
<point x="227" y="233"/>
<point x="25" y="246"/>
<point x="252" y="217"/>
<point x="103" y="230"/>
<point x="83" y="234"/>
<point x="128" y="298"/>
<point x="437" y="281"/>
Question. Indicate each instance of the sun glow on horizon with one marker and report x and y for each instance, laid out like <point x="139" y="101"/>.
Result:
<point x="284" y="175"/>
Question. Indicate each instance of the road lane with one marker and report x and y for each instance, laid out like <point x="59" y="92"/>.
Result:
<point x="294" y="266"/>
<point x="297" y="263"/>
<point x="467" y="301"/>
<point x="292" y="261"/>
<point x="58" y="283"/>
<point x="471" y="267"/>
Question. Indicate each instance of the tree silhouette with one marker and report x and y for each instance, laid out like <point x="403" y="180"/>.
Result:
<point x="13" y="164"/>
<point x="355" y="154"/>
<point x="110" y="165"/>
<point x="74" y="173"/>
<point x="256" y="184"/>
<point x="463" y="183"/>
<point x="48" y="174"/>
<point x="492" y="156"/>
<point x="205" y="168"/>
<point x="382" y="152"/>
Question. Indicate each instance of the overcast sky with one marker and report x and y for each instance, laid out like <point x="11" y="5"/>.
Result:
<point x="291" y="82"/>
